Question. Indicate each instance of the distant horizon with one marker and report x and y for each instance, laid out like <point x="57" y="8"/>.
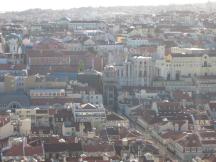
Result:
<point x="22" y="5"/>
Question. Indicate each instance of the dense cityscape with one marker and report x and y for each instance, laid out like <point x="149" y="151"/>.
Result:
<point x="109" y="84"/>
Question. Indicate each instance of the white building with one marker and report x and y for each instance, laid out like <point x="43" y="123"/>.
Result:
<point x="88" y="112"/>
<point x="136" y="71"/>
<point x="25" y="127"/>
<point x="6" y="128"/>
<point x="175" y="66"/>
<point x="35" y="93"/>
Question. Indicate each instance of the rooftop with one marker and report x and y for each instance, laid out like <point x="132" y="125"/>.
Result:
<point x="191" y="140"/>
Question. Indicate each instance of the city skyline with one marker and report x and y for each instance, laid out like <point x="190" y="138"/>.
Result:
<point x="11" y="5"/>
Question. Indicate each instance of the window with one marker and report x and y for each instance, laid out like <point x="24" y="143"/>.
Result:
<point x="168" y="77"/>
<point x="205" y="64"/>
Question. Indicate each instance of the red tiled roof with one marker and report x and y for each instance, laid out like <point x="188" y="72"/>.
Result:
<point x="173" y="135"/>
<point x="169" y="106"/>
<point x="87" y="159"/>
<point x="44" y="69"/>
<point x="208" y="142"/>
<point x="103" y="147"/>
<point x="46" y="53"/>
<point x="191" y="140"/>
<point x="208" y="134"/>
<point x="36" y="150"/>
<point x="179" y="95"/>
<point x="17" y="150"/>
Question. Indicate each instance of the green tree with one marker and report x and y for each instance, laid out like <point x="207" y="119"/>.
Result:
<point x="81" y="66"/>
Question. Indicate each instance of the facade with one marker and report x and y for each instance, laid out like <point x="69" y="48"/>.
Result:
<point x="14" y="101"/>
<point x="136" y="71"/>
<point x="175" y="66"/>
<point x="41" y="81"/>
<point x="89" y="113"/>
<point x="95" y="99"/>
<point x="25" y="127"/>
<point x="14" y="82"/>
<point x="189" y="147"/>
<point x="6" y="127"/>
<point x="38" y="118"/>
<point x="110" y="85"/>
<point x="38" y="93"/>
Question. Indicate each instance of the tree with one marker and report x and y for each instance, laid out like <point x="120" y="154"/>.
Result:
<point x="81" y="66"/>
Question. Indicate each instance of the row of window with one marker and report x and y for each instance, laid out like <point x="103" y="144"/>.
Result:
<point x="47" y="94"/>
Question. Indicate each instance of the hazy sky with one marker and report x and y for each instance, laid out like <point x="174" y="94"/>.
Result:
<point x="17" y="5"/>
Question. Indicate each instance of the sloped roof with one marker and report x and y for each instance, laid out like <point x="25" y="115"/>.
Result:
<point x="63" y="147"/>
<point x="88" y="106"/>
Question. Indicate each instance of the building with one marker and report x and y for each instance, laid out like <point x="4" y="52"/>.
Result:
<point x="89" y="113"/>
<point x="178" y="65"/>
<point x="6" y="127"/>
<point x="87" y="25"/>
<point x="189" y="147"/>
<point x="40" y="93"/>
<point x="110" y="84"/>
<point x="61" y="150"/>
<point x="23" y="151"/>
<point x="25" y="126"/>
<point x="115" y="120"/>
<point x="14" y="101"/>
<point x="37" y="117"/>
<point x="136" y="71"/>
<point x="94" y="149"/>
<point x="14" y="82"/>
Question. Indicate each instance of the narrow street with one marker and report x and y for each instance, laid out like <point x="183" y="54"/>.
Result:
<point x="147" y="135"/>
